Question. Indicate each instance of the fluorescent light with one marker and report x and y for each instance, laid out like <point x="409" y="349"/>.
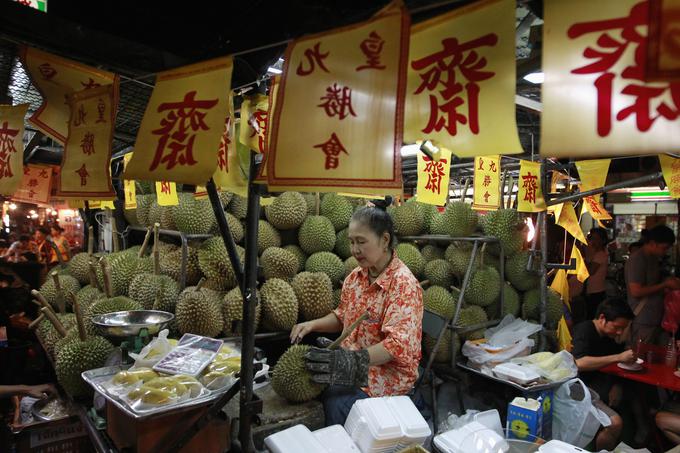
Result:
<point x="274" y="70"/>
<point x="12" y="206"/>
<point x="535" y="77"/>
<point x="410" y="150"/>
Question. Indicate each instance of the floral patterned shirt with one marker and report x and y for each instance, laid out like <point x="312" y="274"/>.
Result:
<point x="394" y="302"/>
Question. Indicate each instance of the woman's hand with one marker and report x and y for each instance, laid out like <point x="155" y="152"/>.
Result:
<point x="40" y="391"/>
<point x="300" y="330"/>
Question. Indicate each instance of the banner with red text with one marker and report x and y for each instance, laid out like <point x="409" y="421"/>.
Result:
<point x="670" y="166"/>
<point x="529" y="190"/>
<point x="35" y="184"/>
<point x="11" y="147"/>
<point x="486" y="195"/>
<point x="228" y="175"/>
<point x="433" y="178"/>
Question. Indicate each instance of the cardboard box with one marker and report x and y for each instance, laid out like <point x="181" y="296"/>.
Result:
<point x="57" y="437"/>
<point x="546" y="399"/>
<point x="525" y="419"/>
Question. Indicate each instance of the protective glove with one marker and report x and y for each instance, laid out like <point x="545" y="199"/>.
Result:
<point x="338" y="367"/>
<point x="323" y="342"/>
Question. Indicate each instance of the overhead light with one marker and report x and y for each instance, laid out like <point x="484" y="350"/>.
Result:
<point x="273" y="70"/>
<point x="410" y="150"/>
<point x="12" y="206"/>
<point x="535" y="77"/>
<point x="532" y="230"/>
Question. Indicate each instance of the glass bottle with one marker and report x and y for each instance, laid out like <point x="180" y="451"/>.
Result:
<point x="671" y="354"/>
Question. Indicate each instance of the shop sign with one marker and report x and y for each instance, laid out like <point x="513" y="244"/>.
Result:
<point x="529" y="189"/>
<point x="433" y="178"/>
<point x="487" y="193"/>
<point x="129" y="186"/>
<point x="35" y="184"/>
<point x="228" y="175"/>
<point x="166" y="193"/>
<point x="670" y="166"/>
<point x="11" y="147"/>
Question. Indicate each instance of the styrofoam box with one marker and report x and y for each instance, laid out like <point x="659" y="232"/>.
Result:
<point x="471" y="438"/>
<point x="295" y="439"/>
<point x="515" y="373"/>
<point x="557" y="446"/>
<point x="372" y="426"/>
<point x="491" y="419"/>
<point x="336" y="439"/>
<point x="414" y="428"/>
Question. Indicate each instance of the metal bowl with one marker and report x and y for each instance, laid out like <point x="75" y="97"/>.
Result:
<point x="40" y="404"/>
<point x="125" y="324"/>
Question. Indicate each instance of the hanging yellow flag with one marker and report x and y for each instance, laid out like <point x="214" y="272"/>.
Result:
<point x="670" y="166"/>
<point x="274" y="84"/>
<point x="593" y="60"/>
<point x="567" y="219"/>
<point x="35" y="185"/>
<point x="56" y="78"/>
<point x="86" y="161"/>
<point x="352" y="140"/>
<point x="166" y="193"/>
<point x="11" y="147"/>
<point x="461" y="80"/>
<point x="581" y="270"/>
<point x="564" y="338"/>
<point x="593" y="174"/>
<point x="183" y="124"/>
<point x="487" y="192"/>
<point x="595" y="209"/>
<point x="106" y="204"/>
<point x="433" y="178"/>
<point x="75" y="203"/>
<point x="561" y="285"/>
<point x="228" y="175"/>
<point x="129" y="186"/>
<point x="201" y="193"/>
<point x="94" y="204"/>
<point x="255" y="122"/>
<point x="529" y="192"/>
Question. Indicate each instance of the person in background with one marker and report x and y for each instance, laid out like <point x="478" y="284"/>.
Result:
<point x="597" y="261"/>
<point x="646" y="286"/>
<point x="56" y="233"/>
<point x="41" y="245"/>
<point x="17" y="250"/>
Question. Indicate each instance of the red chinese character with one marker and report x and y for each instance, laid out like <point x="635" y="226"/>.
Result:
<point x="87" y="144"/>
<point x="435" y="171"/>
<point x="372" y="47"/>
<point x="492" y="166"/>
<point x="332" y="148"/>
<point x="338" y="101"/>
<point x="32" y="182"/>
<point x="225" y="141"/>
<point x="594" y="205"/>
<point x="80" y="118"/>
<point x="258" y="123"/>
<point x="606" y="54"/>
<point x="101" y="109"/>
<point x="314" y="57"/>
<point x="90" y="84"/>
<point x="165" y="187"/>
<point x="529" y="184"/>
<point x="6" y="149"/>
<point x="182" y="117"/>
<point x="486" y="196"/>
<point x="82" y="172"/>
<point x="481" y="164"/>
<point x="487" y="181"/>
<point x="31" y="193"/>
<point x="43" y="174"/>
<point x="442" y="71"/>
<point x="47" y="71"/>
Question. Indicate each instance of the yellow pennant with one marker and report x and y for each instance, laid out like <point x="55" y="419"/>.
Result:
<point x="94" y="204"/>
<point x="106" y="204"/>
<point x="487" y="180"/>
<point x="581" y="270"/>
<point x="56" y="78"/>
<point x="228" y="174"/>
<point x="554" y="179"/>
<point x="75" y="204"/>
<point x="593" y="61"/>
<point x="564" y="338"/>
<point x="530" y="194"/>
<point x="593" y="174"/>
<point x="274" y="84"/>
<point x="670" y="166"/>
<point x="433" y="178"/>
<point x="567" y="219"/>
<point x="183" y="124"/>
<point x="461" y="80"/>
<point x="595" y="209"/>
<point x="201" y="193"/>
<point x="561" y="285"/>
<point x="35" y="185"/>
<point x="255" y="122"/>
<point x="86" y="161"/>
<point x="11" y="147"/>
<point x="166" y="193"/>
<point x="129" y="186"/>
<point x="352" y="140"/>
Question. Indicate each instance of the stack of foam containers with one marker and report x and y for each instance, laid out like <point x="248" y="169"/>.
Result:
<point x="295" y="439"/>
<point x="380" y="425"/>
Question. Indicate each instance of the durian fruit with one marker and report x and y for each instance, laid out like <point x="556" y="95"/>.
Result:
<point x="428" y="212"/>
<point x="57" y="290"/>
<point x="267" y="236"/>
<point x="288" y="211"/>
<point x="171" y="262"/>
<point x="199" y="311"/>
<point x="431" y="252"/>
<point x="92" y="292"/>
<point x="484" y="286"/>
<point x="337" y="209"/>
<point x="235" y="228"/>
<point x="439" y="301"/>
<point x="460" y="219"/>
<point x="291" y="379"/>
<point x="411" y="257"/>
<point x="507" y="226"/>
<point x="472" y="316"/>
<point x="225" y="198"/>
<point x="79" y="264"/>
<point x="168" y="217"/>
<point x="439" y="273"/>
<point x="350" y="264"/>
<point x="278" y="263"/>
<point x="531" y="307"/>
<point x="316" y="235"/>
<point x="144" y="203"/>
<point x="300" y="256"/>
<point x="438" y="225"/>
<point x="192" y="215"/>
<point x="511" y="304"/>
<point x="145" y="187"/>
<point x="50" y="333"/>
<point x="238" y="206"/>
<point x="408" y="220"/>
<point x="444" y="350"/>
<point x="337" y="297"/>
<point x="458" y="255"/>
<point x="516" y="272"/>
<point x="279" y="305"/>
<point x="312" y="205"/>
<point x="122" y="267"/>
<point x="215" y="263"/>
<point x="314" y="292"/>
<point x="154" y="212"/>
<point x="342" y="245"/>
<point x="232" y="310"/>
<point x="327" y="263"/>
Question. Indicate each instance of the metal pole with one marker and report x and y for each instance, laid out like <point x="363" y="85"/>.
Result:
<point x="619" y="185"/>
<point x="184" y="263"/>
<point x="544" y="262"/>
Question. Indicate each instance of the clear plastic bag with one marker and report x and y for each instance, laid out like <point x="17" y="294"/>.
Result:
<point x="154" y="351"/>
<point x="575" y="419"/>
<point x="480" y="353"/>
<point x="554" y="367"/>
<point x="510" y="331"/>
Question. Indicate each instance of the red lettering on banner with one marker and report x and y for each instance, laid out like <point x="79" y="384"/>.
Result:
<point x="487" y="181"/>
<point x="530" y="185"/>
<point x="31" y="193"/>
<point x="165" y="187"/>
<point x="608" y="50"/>
<point x="82" y="172"/>
<point x="372" y="48"/>
<point x="27" y="171"/>
<point x="314" y="57"/>
<point x="338" y="101"/>
<point x="492" y="166"/>
<point x="461" y="57"/>
<point x="90" y="84"/>
<point x="47" y="71"/>
<point x="32" y="182"/>
<point x="225" y="141"/>
<point x="87" y="144"/>
<point x="43" y="174"/>
<point x="258" y="123"/>
<point x="182" y="117"/>
<point x="7" y="148"/>
<point x="80" y="116"/>
<point x="332" y="148"/>
<point x="481" y="164"/>
<point x="435" y="171"/>
<point x="101" y="109"/>
<point x="486" y="196"/>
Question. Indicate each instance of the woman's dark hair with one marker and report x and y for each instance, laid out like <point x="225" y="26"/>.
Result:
<point x="613" y="308"/>
<point x="378" y="220"/>
<point x="604" y="237"/>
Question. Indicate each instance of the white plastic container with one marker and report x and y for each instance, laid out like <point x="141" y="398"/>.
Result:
<point x="295" y="439"/>
<point x="515" y="373"/>
<point x="414" y="428"/>
<point x="336" y="439"/>
<point x="372" y="426"/>
<point x="491" y="419"/>
<point x="557" y="446"/>
<point x="471" y="438"/>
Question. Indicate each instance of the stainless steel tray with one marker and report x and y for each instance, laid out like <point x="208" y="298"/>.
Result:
<point x="535" y="387"/>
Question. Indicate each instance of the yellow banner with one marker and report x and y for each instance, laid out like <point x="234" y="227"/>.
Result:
<point x="75" y="203"/>
<point x="487" y="181"/>
<point x="529" y="192"/>
<point x="593" y="60"/>
<point x="433" y="178"/>
<point x="567" y="219"/>
<point x="166" y="193"/>
<point x="86" y="161"/>
<point x="564" y="338"/>
<point x="595" y="209"/>
<point x="274" y="84"/>
<point x="228" y="174"/>
<point x="581" y="270"/>
<point x="461" y="80"/>
<point x="11" y="147"/>
<point x="593" y="174"/>
<point x="561" y="285"/>
<point x="56" y="78"/>
<point x="94" y="204"/>
<point x="35" y="185"/>
<point x="670" y="166"/>
<point x="345" y="89"/>
<point x="129" y="186"/>
<point x="106" y="204"/>
<point x="183" y="124"/>
<point x="255" y="122"/>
